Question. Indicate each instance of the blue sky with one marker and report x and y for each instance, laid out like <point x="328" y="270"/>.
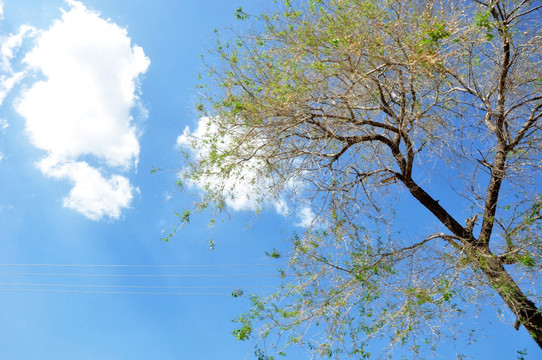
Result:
<point x="94" y="95"/>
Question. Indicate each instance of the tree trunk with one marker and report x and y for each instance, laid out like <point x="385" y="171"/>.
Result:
<point x="524" y="309"/>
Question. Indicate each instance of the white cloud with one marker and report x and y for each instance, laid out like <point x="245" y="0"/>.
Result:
<point x="306" y="217"/>
<point x="247" y="189"/>
<point x="242" y="191"/>
<point x="92" y="194"/>
<point x="1" y="10"/>
<point x="3" y="124"/>
<point x="7" y="82"/>
<point x="13" y="42"/>
<point x="83" y="106"/>
<point x="9" y="45"/>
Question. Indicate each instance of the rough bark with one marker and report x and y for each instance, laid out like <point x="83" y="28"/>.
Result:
<point x="524" y="309"/>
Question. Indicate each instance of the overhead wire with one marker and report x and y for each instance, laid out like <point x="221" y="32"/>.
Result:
<point x="145" y="265"/>
<point x="109" y="292"/>
<point x="138" y="286"/>
<point x="79" y="288"/>
<point x="146" y="275"/>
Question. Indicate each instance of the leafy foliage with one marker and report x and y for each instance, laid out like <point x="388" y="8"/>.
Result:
<point x="354" y="106"/>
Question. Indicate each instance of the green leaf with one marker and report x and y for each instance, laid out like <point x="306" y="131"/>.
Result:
<point x="240" y="14"/>
<point x="273" y="254"/>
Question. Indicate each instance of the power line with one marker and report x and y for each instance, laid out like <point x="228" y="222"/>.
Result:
<point x="146" y="275"/>
<point x="109" y="292"/>
<point x="138" y="286"/>
<point x="144" y="265"/>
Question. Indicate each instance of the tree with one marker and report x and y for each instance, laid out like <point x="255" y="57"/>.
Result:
<point x="369" y="111"/>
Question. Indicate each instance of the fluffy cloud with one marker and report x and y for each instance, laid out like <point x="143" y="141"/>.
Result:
<point x="9" y="45"/>
<point x="92" y="194"/>
<point x="245" y="191"/>
<point x="82" y="107"/>
<point x="241" y="192"/>
<point x="306" y="217"/>
<point x="7" y="82"/>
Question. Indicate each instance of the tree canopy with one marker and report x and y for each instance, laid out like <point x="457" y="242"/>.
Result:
<point x="364" y="113"/>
